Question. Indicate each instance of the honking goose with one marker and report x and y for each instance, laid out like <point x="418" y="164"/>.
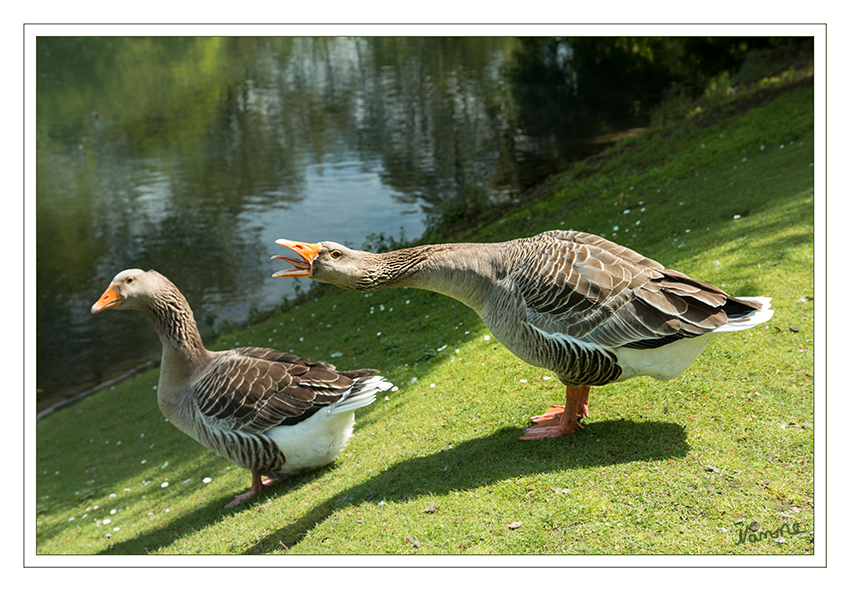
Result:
<point x="270" y="412"/>
<point x="592" y="311"/>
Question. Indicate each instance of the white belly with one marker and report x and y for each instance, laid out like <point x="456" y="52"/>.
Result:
<point x="663" y="363"/>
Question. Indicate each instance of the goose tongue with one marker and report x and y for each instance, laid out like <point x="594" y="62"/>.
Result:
<point x="302" y="267"/>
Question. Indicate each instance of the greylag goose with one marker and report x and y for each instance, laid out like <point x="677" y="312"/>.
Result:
<point x="270" y="412"/>
<point x="592" y="311"/>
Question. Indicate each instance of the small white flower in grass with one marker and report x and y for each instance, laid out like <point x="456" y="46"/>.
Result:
<point x="116" y="528"/>
<point x="118" y="443"/>
<point x="736" y="217"/>
<point x="112" y="496"/>
<point x="144" y="461"/>
<point x="743" y="159"/>
<point x="164" y="485"/>
<point x="113" y="512"/>
<point x="486" y="338"/>
<point x="547" y="377"/>
<point x="443" y="347"/>
<point x="616" y="228"/>
<point x="637" y="223"/>
<point x="382" y="503"/>
<point x="164" y="465"/>
<point x="394" y="389"/>
<point x="717" y="263"/>
<point x="107" y="521"/>
<point x="457" y="350"/>
<point x="762" y="147"/>
<point x="413" y="380"/>
<point x="207" y="480"/>
<point x="688" y="230"/>
<point x="643" y="209"/>
<point x="150" y="514"/>
<point x="523" y="381"/>
<point x="781" y="146"/>
<point x="336" y="354"/>
<point x="467" y="332"/>
<point x="627" y="211"/>
<point x="146" y="482"/>
<point x="433" y="386"/>
<point x="71" y="518"/>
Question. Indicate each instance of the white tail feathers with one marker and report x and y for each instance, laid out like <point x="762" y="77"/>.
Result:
<point x="752" y="319"/>
<point x="367" y="390"/>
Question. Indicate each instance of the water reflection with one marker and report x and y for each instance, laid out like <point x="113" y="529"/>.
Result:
<point x="192" y="155"/>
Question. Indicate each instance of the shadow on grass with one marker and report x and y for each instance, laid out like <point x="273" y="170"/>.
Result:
<point x="464" y="466"/>
<point x="496" y="457"/>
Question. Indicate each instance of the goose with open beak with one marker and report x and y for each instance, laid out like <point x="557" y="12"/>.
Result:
<point x="592" y="311"/>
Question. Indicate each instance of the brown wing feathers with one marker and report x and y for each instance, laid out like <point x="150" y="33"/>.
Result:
<point x="257" y="389"/>
<point x="613" y="296"/>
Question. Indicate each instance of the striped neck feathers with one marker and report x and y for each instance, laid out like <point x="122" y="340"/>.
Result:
<point x="173" y="321"/>
<point x="461" y="271"/>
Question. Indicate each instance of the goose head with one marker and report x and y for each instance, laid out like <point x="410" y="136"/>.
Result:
<point x="327" y="262"/>
<point x="131" y="289"/>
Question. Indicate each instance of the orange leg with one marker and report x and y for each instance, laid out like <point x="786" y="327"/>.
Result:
<point x="258" y="485"/>
<point x="560" y="420"/>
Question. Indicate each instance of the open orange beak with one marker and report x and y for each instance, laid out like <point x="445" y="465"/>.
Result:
<point x="302" y="267"/>
<point x="109" y="299"/>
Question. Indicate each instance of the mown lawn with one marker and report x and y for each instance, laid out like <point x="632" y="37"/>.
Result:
<point x="719" y="461"/>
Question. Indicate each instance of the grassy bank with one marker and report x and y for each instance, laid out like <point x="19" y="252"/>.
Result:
<point x="435" y="467"/>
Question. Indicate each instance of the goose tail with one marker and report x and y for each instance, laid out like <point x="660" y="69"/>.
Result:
<point x="750" y="319"/>
<point x="363" y="393"/>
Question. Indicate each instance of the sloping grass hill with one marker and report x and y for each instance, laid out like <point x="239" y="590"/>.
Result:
<point x="719" y="461"/>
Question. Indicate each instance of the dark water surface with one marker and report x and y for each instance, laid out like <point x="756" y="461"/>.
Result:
<point x="193" y="155"/>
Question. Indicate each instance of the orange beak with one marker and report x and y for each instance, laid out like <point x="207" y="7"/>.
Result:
<point x="302" y="267"/>
<point x="109" y="299"/>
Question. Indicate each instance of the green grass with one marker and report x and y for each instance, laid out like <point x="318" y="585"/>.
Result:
<point x="436" y="467"/>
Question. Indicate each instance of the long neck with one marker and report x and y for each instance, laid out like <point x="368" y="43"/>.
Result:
<point x="182" y="346"/>
<point x="461" y="271"/>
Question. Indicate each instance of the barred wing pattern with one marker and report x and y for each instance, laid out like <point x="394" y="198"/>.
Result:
<point x="589" y="288"/>
<point x="253" y="389"/>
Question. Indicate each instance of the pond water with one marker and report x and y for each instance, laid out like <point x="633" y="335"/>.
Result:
<point x="193" y="155"/>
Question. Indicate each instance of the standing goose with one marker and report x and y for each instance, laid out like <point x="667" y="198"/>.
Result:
<point x="270" y="412"/>
<point x="586" y="308"/>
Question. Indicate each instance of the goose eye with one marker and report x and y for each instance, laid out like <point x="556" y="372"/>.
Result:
<point x="129" y="280"/>
<point x="335" y="254"/>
